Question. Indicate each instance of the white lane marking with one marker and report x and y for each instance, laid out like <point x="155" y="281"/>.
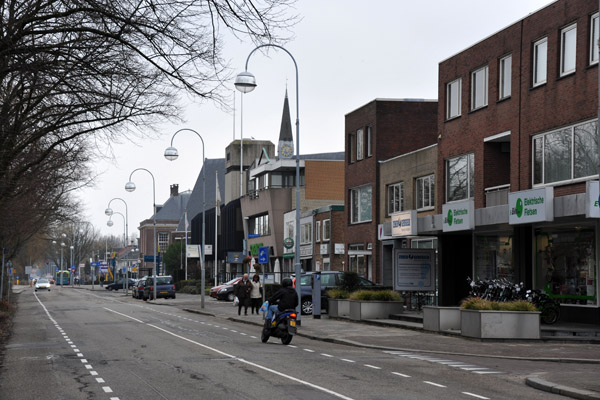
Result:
<point x="116" y="312"/>
<point x="254" y="337"/>
<point x="309" y="350"/>
<point x="326" y="355"/>
<point x="434" y="384"/>
<point x="83" y="360"/>
<point x="107" y="389"/>
<point x="73" y="346"/>
<point x="243" y="334"/>
<point x="487" y="372"/>
<point x="234" y="331"/>
<point x="371" y="366"/>
<point x="402" y="375"/>
<point x="79" y="354"/>
<point x="93" y="373"/>
<point x="475" y="369"/>
<point x="345" y="359"/>
<point x="100" y="380"/>
<point x="88" y="366"/>
<point x="476" y="395"/>
<point x="114" y="398"/>
<point x="292" y="346"/>
<point x="312" y="385"/>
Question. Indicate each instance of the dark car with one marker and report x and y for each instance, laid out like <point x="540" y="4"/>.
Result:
<point x="119" y="284"/>
<point x="224" y="291"/>
<point x="329" y="280"/>
<point x="137" y="291"/>
<point x="165" y="288"/>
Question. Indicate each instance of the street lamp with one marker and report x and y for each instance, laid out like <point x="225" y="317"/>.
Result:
<point x="130" y="187"/>
<point x="109" y="211"/>
<point x="172" y="154"/>
<point x="245" y="82"/>
<point x="111" y="223"/>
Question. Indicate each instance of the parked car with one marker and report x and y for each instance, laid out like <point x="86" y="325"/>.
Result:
<point x="224" y="291"/>
<point x="42" y="283"/>
<point x="329" y="279"/>
<point x="137" y="291"/>
<point x="119" y="284"/>
<point x="165" y="288"/>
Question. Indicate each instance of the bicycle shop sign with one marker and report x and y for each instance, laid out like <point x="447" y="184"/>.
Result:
<point x="458" y="216"/>
<point x="528" y="206"/>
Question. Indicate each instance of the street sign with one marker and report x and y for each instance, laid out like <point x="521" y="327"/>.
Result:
<point x="151" y="258"/>
<point x="263" y="255"/>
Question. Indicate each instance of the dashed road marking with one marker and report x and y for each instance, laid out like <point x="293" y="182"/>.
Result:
<point x="434" y="384"/>
<point x="402" y="375"/>
<point x="476" y="395"/>
<point x="455" y="364"/>
<point x="345" y="359"/>
<point x="371" y="366"/>
<point x="326" y="355"/>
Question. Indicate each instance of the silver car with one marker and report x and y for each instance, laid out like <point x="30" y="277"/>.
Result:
<point x="42" y="283"/>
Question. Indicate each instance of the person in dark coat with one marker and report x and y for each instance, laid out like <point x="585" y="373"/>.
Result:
<point x="285" y="298"/>
<point x="242" y="291"/>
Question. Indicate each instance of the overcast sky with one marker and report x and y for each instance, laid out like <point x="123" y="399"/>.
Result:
<point x="348" y="52"/>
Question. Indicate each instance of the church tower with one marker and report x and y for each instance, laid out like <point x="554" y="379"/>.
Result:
<point x="285" y="147"/>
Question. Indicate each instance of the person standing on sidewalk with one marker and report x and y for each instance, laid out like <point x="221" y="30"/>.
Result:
<point x="242" y="291"/>
<point x="255" y="294"/>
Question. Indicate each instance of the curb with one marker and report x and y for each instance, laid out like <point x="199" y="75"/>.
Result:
<point x="562" y="390"/>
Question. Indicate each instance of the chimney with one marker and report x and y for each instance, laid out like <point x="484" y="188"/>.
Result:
<point x="175" y="189"/>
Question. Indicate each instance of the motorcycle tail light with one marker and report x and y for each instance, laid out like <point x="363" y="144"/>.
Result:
<point x="293" y="315"/>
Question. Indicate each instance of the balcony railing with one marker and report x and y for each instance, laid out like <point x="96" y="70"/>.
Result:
<point x="497" y="195"/>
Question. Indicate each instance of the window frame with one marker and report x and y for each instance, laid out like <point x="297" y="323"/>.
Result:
<point x="449" y="95"/>
<point x="351" y="150"/>
<point x="505" y="76"/>
<point x="163" y="238"/>
<point x="326" y="230"/>
<point x="594" y="37"/>
<point x="317" y="231"/>
<point x="369" y="139"/>
<point x="536" y="63"/>
<point x="470" y="188"/>
<point x="563" y="33"/>
<point x="390" y="187"/>
<point x="354" y="219"/>
<point x="360" y="145"/>
<point x="474" y="98"/>
<point x="431" y="182"/>
<point x="306" y="233"/>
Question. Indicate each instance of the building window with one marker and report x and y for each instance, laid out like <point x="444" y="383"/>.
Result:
<point x="540" y="61"/>
<point x="351" y="151"/>
<point x="594" y="29"/>
<point x="357" y="261"/>
<point x="425" y="192"/>
<point x="360" y="204"/>
<point x="369" y="142"/>
<point x="260" y="225"/>
<point x="505" y="77"/>
<point x="460" y="180"/>
<point x="566" y="154"/>
<point x="306" y="233"/>
<point x="453" y="98"/>
<point x="318" y="231"/>
<point x="326" y="230"/>
<point x="163" y="241"/>
<point x="395" y="197"/>
<point x="568" y="43"/>
<point x="479" y="88"/>
<point x="359" y="145"/>
<point x="289" y="229"/>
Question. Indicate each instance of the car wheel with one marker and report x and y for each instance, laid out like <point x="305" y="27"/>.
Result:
<point x="231" y="297"/>
<point x="306" y="306"/>
<point x="173" y="297"/>
<point x="36" y="290"/>
<point x="48" y="289"/>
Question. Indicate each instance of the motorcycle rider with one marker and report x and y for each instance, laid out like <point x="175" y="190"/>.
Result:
<point x="284" y="299"/>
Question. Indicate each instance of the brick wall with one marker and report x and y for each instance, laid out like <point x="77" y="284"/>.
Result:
<point x="324" y="180"/>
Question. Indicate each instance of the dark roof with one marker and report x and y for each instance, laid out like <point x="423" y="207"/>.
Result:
<point x="194" y="205"/>
<point x="323" y="156"/>
<point x="173" y="207"/>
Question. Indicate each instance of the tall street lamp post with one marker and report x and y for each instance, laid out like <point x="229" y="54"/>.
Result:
<point x="111" y="223"/>
<point x="172" y="154"/>
<point x="109" y="212"/>
<point x="245" y="82"/>
<point x="130" y="187"/>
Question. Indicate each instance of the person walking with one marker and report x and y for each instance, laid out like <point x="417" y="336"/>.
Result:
<point x="256" y="294"/>
<point x="242" y="291"/>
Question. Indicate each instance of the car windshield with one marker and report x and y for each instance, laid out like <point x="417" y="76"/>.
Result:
<point x="164" y="280"/>
<point x="231" y="282"/>
<point x="43" y="281"/>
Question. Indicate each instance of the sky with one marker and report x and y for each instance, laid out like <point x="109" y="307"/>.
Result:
<point x="348" y="53"/>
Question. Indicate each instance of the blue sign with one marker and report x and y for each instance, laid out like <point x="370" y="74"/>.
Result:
<point x="151" y="258"/>
<point x="263" y="255"/>
<point x="95" y="264"/>
<point x="57" y="269"/>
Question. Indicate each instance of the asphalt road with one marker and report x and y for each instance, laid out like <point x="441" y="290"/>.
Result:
<point x="76" y="344"/>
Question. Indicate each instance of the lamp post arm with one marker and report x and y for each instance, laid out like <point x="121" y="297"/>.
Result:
<point x="126" y="217"/>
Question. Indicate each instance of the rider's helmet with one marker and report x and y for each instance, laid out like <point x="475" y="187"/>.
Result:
<point x="286" y="282"/>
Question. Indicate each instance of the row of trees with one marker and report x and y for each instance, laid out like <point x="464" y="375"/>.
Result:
<point x="76" y="76"/>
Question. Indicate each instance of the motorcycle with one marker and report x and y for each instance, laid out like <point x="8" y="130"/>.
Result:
<point x="283" y="326"/>
<point x="549" y="308"/>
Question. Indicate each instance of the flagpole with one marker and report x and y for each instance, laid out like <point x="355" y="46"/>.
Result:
<point x="217" y="198"/>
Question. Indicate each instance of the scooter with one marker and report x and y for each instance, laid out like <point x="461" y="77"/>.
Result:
<point x="283" y="326"/>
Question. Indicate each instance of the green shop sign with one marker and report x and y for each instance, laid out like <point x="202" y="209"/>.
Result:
<point x="254" y="248"/>
<point x="458" y="216"/>
<point x="529" y="206"/>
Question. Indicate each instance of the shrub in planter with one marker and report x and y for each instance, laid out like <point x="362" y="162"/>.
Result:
<point x="375" y="295"/>
<point x="476" y="303"/>
<point x="349" y="281"/>
<point x="338" y="294"/>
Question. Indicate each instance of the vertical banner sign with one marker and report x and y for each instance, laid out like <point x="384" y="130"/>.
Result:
<point x="414" y="269"/>
<point x="458" y="216"/>
<point x="528" y="206"/>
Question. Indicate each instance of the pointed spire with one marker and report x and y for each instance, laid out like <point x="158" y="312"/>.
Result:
<point x="285" y="133"/>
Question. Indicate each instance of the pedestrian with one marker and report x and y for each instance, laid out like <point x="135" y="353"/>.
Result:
<point x="242" y="291"/>
<point x="101" y="280"/>
<point x="256" y="294"/>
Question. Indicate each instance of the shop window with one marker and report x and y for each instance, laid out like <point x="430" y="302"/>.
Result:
<point x="479" y="88"/>
<point x="423" y="244"/>
<point x="425" y="192"/>
<point x="494" y="258"/>
<point x="395" y="198"/>
<point x="566" y="266"/>
<point x="540" y="61"/>
<point x="460" y="180"/>
<point x="567" y="154"/>
<point x="594" y="39"/>
<point x="568" y="43"/>
<point x="505" y="80"/>
<point x="360" y="204"/>
<point x="453" y="98"/>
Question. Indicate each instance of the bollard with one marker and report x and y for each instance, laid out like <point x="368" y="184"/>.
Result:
<point x="316" y="295"/>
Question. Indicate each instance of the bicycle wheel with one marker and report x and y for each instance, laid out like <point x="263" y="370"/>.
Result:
<point x="550" y="314"/>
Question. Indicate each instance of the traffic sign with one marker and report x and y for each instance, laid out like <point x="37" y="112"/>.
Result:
<point x="151" y="258"/>
<point x="263" y="255"/>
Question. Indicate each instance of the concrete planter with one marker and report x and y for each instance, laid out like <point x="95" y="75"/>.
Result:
<point x="360" y="310"/>
<point x="441" y="318"/>
<point x="487" y="324"/>
<point x="338" y="307"/>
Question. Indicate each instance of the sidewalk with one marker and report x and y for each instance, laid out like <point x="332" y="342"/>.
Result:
<point x="578" y="379"/>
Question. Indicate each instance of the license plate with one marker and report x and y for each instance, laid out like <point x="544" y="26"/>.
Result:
<point x="163" y="292"/>
<point x="292" y="323"/>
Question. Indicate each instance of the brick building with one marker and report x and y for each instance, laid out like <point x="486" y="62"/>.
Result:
<point x="379" y="130"/>
<point x="517" y="147"/>
<point x="329" y="225"/>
